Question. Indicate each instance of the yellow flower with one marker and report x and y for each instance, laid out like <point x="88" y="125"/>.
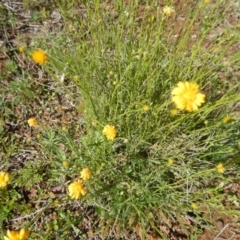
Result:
<point x="110" y="132"/>
<point x="227" y="119"/>
<point x="21" y="49"/>
<point x="71" y="28"/>
<point x="23" y="234"/>
<point x="145" y="108"/>
<point x="151" y="19"/>
<point x="194" y="206"/>
<point x="174" y="112"/>
<point x="65" y="164"/>
<point x="170" y="162"/>
<point x="168" y="11"/>
<point x="85" y="174"/>
<point x="4" y="179"/>
<point x="76" y="77"/>
<point x="64" y="128"/>
<point x="76" y="189"/>
<point x="220" y="168"/>
<point x="12" y="235"/>
<point x="39" y="57"/>
<point x="32" y="122"/>
<point x="56" y="202"/>
<point x="110" y="73"/>
<point x="186" y="96"/>
<point x="17" y="235"/>
<point x="207" y="1"/>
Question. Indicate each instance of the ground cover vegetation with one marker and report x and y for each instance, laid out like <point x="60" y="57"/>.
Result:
<point x="122" y="124"/>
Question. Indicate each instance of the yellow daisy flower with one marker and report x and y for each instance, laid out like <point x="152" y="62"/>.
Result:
<point x="21" y="49"/>
<point x="85" y="174"/>
<point x="76" y="189"/>
<point x="174" y="112"/>
<point x="186" y="96"/>
<point x="65" y="164"/>
<point x="151" y="19"/>
<point x="227" y="119"/>
<point x="22" y="234"/>
<point x="170" y="162"/>
<point x="76" y="77"/>
<point x="206" y="1"/>
<point x="4" y="179"/>
<point x="64" y="128"/>
<point x="110" y="132"/>
<point x="39" y="57"/>
<point x="110" y="73"/>
<point x="146" y="108"/>
<point x="32" y="122"/>
<point x="168" y="11"/>
<point x="220" y="168"/>
<point x="194" y="206"/>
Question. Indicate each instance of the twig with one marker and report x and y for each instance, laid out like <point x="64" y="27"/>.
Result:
<point x="221" y="231"/>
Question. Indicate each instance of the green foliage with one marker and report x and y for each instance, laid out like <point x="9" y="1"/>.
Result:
<point x="33" y="172"/>
<point x="124" y="64"/>
<point x="121" y="68"/>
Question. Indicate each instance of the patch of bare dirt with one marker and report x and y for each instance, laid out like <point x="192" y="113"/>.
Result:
<point x="224" y="227"/>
